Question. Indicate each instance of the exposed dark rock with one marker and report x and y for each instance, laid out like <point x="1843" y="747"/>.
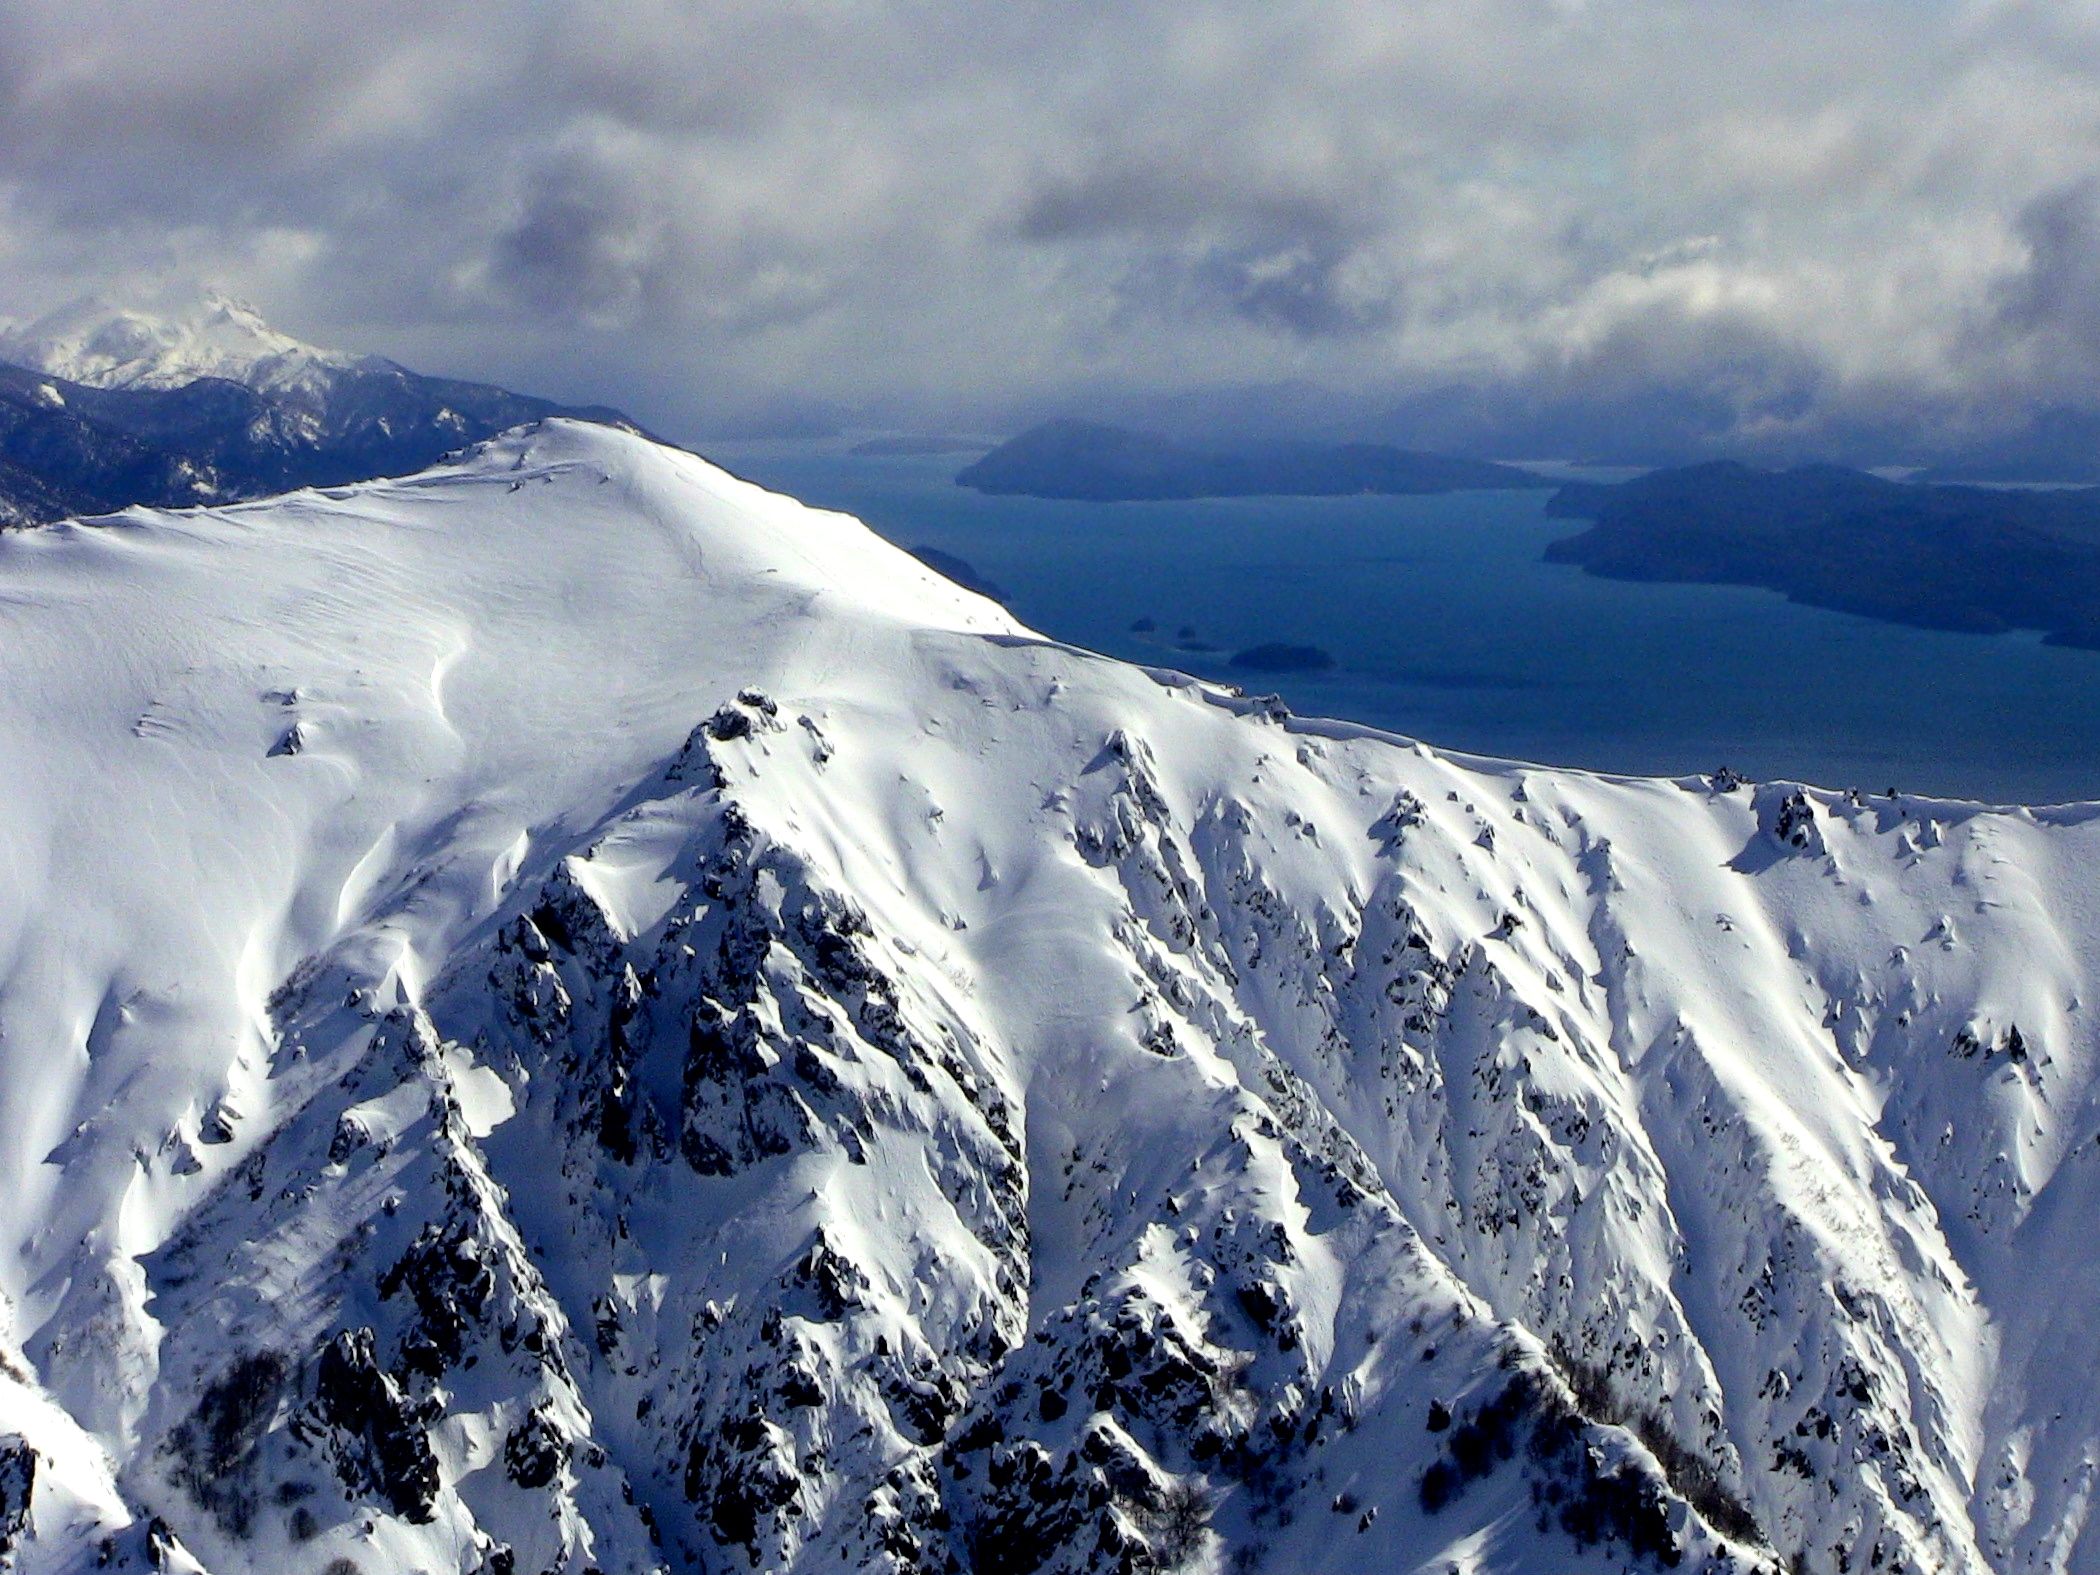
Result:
<point x="1795" y="822"/>
<point x="446" y="1274"/>
<point x="380" y="1445"/>
<point x="18" y="1465"/>
<point x="535" y="1452"/>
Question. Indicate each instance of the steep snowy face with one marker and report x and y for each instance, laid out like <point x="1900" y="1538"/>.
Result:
<point x="569" y="1013"/>
<point x="102" y="345"/>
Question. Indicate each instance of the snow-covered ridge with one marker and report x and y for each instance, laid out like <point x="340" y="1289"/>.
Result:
<point x="568" y="1012"/>
<point x="99" y="343"/>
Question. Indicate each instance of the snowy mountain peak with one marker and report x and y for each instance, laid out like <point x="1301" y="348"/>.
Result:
<point x="102" y="344"/>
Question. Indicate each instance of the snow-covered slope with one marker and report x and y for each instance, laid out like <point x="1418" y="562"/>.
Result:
<point x="569" y="1013"/>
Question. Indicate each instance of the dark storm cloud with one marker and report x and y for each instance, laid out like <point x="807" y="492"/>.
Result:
<point x="2053" y="301"/>
<point x="1186" y="242"/>
<point x="1301" y="288"/>
<point x="1536" y="221"/>
<point x="583" y="242"/>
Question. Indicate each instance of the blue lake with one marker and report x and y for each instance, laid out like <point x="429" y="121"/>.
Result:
<point x="1447" y="625"/>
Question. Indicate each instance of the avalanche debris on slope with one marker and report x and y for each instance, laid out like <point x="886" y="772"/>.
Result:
<point x="718" y="1050"/>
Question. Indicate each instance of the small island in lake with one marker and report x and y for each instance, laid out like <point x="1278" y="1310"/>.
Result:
<point x="1087" y="461"/>
<point x="1277" y="658"/>
<point x="1937" y="557"/>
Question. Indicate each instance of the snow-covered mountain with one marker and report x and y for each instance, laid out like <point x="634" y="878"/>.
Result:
<point x="104" y="406"/>
<point x="102" y="344"/>
<point x="568" y="1013"/>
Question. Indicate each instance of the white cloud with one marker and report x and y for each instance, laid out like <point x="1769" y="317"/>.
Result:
<point x="706" y="209"/>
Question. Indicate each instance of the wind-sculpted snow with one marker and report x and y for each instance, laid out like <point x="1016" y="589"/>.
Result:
<point x="569" y="1014"/>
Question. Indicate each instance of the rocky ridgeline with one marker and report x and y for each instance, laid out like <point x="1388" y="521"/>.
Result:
<point x="746" y="1279"/>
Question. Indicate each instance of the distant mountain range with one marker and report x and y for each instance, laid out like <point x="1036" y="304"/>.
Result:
<point x="1981" y="559"/>
<point x="102" y="407"/>
<point x="1107" y="464"/>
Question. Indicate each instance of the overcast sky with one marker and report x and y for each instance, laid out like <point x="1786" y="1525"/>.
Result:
<point x="1768" y="216"/>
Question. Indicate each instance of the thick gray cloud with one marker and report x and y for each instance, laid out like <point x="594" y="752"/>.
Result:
<point x="1613" y="223"/>
<point x="2051" y="304"/>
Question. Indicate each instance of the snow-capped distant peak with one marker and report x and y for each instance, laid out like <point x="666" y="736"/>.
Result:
<point x="97" y="342"/>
